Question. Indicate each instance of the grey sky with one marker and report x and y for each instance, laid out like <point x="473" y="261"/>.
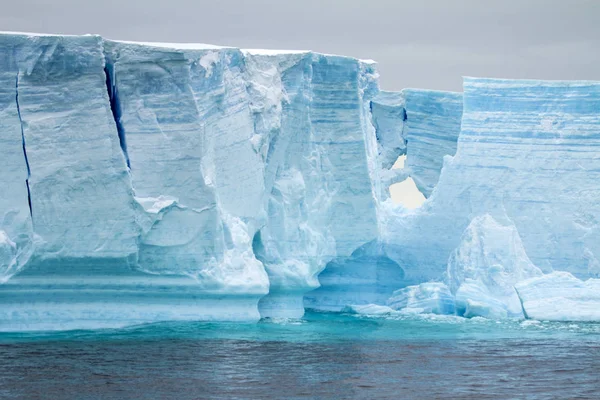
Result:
<point x="428" y="44"/>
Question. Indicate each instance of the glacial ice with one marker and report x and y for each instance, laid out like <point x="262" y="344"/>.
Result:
<point x="368" y="309"/>
<point x="483" y="270"/>
<point x="559" y="296"/>
<point x="425" y="298"/>
<point x="526" y="153"/>
<point x="432" y="126"/>
<point x="150" y="181"/>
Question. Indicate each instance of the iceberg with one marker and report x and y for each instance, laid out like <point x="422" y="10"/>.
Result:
<point x="148" y="182"/>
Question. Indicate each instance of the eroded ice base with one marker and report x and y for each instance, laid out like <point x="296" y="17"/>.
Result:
<point x="84" y="294"/>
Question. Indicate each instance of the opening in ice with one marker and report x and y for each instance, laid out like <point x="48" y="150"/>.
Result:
<point x="399" y="164"/>
<point x="406" y="192"/>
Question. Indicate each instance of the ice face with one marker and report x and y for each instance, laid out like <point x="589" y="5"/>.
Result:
<point x="215" y="175"/>
<point x="388" y="111"/>
<point x="516" y="139"/>
<point x="81" y="195"/>
<point x="559" y="296"/>
<point x="165" y="100"/>
<point x="16" y="233"/>
<point x="323" y="125"/>
<point x="432" y="126"/>
<point x="147" y="182"/>
<point x="483" y="270"/>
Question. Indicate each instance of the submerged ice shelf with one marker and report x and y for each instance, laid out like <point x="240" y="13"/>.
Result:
<point x="147" y="182"/>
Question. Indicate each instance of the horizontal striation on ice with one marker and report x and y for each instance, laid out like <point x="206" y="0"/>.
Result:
<point x="206" y="177"/>
<point x="389" y="117"/>
<point x="559" y="296"/>
<point x="532" y="149"/>
<point x="93" y="294"/>
<point x="151" y="181"/>
<point x="321" y="127"/>
<point x="526" y="152"/>
<point x="432" y="126"/>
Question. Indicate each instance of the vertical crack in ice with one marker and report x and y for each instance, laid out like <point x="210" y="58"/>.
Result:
<point x="23" y="143"/>
<point x="521" y="302"/>
<point x="115" y="107"/>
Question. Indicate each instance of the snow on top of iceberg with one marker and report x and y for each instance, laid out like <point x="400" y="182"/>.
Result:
<point x="275" y="52"/>
<point x="35" y="34"/>
<point x="176" y="46"/>
<point x="500" y="83"/>
<point x="271" y="52"/>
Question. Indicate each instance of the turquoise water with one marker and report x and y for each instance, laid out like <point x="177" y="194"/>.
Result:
<point x="324" y="355"/>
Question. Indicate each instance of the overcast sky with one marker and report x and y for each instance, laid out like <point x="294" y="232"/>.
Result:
<point x="428" y="44"/>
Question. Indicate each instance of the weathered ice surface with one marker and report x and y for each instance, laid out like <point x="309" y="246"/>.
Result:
<point x="345" y="154"/>
<point x="425" y="298"/>
<point x="215" y="176"/>
<point x="81" y="197"/>
<point x="388" y="112"/>
<point x="559" y="296"/>
<point x="146" y="182"/>
<point x="483" y="270"/>
<point x="369" y="275"/>
<point x="318" y="102"/>
<point x="432" y="127"/>
<point x="15" y="220"/>
<point x="174" y="105"/>
<point x="526" y="152"/>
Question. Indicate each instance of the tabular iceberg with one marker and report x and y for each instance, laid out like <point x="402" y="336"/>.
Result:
<point x="147" y="182"/>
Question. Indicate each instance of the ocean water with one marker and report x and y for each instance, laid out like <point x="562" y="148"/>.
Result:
<point x="323" y="356"/>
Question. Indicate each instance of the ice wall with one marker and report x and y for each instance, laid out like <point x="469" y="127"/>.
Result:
<point x="16" y="233"/>
<point x="174" y="106"/>
<point x="216" y="177"/>
<point x="424" y="125"/>
<point x="147" y="182"/>
<point x="526" y="153"/>
<point x="81" y="197"/>
<point x="323" y="125"/>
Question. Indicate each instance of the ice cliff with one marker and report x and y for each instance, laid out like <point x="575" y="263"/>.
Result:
<point x="146" y="182"/>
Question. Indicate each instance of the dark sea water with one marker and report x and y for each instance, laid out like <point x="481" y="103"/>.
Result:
<point x="324" y="356"/>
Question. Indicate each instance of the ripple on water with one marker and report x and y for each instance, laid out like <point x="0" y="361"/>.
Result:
<point x="321" y="356"/>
